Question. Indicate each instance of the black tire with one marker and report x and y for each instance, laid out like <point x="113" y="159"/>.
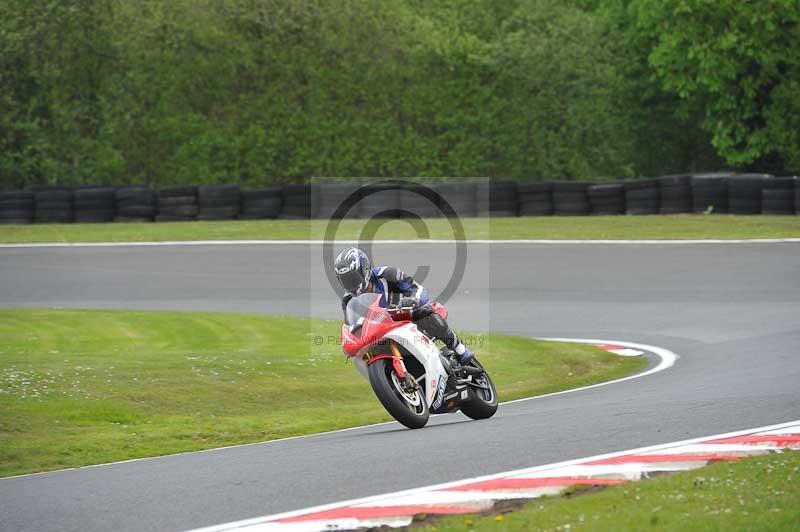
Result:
<point x="17" y="204"/>
<point x="384" y="383"/>
<point x="53" y="216"/>
<point x="177" y="201"/>
<point x="710" y="191"/>
<point x="133" y="219"/>
<point x="744" y="206"/>
<point x="180" y="191"/>
<point x="678" y="181"/>
<point x="218" y="213"/>
<point x="57" y="195"/>
<point x="98" y="216"/>
<point x="334" y="195"/>
<point x="134" y="194"/>
<point x="608" y="208"/>
<point x="570" y="198"/>
<point x="168" y="218"/>
<point x="606" y="190"/>
<point x="484" y="402"/>
<point x="270" y="193"/>
<point x="379" y="200"/>
<point x="15" y="221"/>
<point x="641" y="196"/>
<point x="179" y="210"/>
<point x="53" y="206"/>
<point x="24" y="195"/>
<point x="300" y="202"/>
<point x="416" y="199"/>
<point x="460" y="196"/>
<point x="778" y="196"/>
<point x="16" y="213"/>
<point x="94" y="194"/>
<point x="218" y="191"/>
<point x="607" y="199"/>
<point x="269" y="204"/>
<point x="137" y="211"/>
<point x="94" y="205"/>
<point x="675" y="207"/>
<point x="536" y="208"/>
<point x="571" y="208"/>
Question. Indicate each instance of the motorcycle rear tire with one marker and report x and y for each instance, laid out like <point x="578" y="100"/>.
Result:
<point x="412" y="416"/>
<point x="482" y="405"/>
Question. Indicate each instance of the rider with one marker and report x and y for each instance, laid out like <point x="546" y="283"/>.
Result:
<point x="355" y="274"/>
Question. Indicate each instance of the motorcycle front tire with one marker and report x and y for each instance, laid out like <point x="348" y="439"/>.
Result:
<point x="409" y="409"/>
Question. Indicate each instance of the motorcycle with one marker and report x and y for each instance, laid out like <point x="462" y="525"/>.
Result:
<point x="411" y="376"/>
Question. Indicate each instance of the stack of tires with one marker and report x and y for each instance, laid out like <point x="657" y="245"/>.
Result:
<point x="94" y="204"/>
<point x="607" y="199"/>
<point x="379" y="200"/>
<point x="458" y="196"/>
<point x="53" y="205"/>
<point x="336" y="195"/>
<point x="300" y="202"/>
<point x="570" y="198"/>
<point x="218" y="202"/>
<point x="496" y="197"/>
<point x="261" y="203"/>
<point x="797" y="196"/>
<point x="641" y="196"/>
<point x="419" y="201"/>
<point x="177" y="204"/>
<point x="710" y="192"/>
<point x="778" y="196"/>
<point x="675" y="194"/>
<point x="17" y="207"/>
<point x="744" y="193"/>
<point x="535" y="199"/>
<point x="135" y="204"/>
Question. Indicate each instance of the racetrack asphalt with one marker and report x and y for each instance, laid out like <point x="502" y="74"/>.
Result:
<point x="729" y="310"/>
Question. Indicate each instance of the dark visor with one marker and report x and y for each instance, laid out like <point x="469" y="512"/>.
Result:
<point x="350" y="281"/>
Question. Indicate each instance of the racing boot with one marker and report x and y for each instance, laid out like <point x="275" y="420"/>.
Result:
<point x="463" y="354"/>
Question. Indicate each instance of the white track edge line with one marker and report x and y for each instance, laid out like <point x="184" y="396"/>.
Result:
<point x="504" y="474"/>
<point x="389" y="242"/>
<point x="667" y="357"/>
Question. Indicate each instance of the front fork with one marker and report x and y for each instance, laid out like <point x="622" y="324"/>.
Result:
<point x="398" y="365"/>
<point x="400" y="369"/>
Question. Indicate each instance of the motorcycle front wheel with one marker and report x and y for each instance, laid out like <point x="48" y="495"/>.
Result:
<point x="406" y="406"/>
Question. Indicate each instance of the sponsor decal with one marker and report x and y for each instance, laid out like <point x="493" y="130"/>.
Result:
<point x="440" y="393"/>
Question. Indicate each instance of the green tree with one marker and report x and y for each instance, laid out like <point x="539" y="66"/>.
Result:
<point x="739" y="61"/>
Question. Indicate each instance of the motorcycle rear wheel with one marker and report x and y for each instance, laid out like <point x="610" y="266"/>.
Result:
<point x="484" y="402"/>
<point x="408" y="408"/>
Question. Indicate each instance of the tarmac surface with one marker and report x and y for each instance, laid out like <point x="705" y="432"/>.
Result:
<point x="730" y="311"/>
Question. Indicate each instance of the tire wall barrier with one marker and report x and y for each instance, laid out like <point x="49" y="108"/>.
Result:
<point x="673" y="194"/>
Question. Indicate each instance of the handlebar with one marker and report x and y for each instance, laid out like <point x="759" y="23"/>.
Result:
<point x="400" y="309"/>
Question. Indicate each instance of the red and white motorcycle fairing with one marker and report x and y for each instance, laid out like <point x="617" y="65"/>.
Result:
<point x="407" y="369"/>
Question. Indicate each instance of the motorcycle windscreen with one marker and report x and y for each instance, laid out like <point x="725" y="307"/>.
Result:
<point x="358" y="308"/>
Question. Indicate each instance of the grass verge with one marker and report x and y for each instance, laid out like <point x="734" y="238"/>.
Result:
<point x="80" y="387"/>
<point x="677" y="227"/>
<point x="760" y="493"/>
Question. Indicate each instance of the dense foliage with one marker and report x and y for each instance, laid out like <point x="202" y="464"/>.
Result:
<point x="257" y="91"/>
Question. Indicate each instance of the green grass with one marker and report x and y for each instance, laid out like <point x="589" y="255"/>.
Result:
<point x="79" y="387"/>
<point x="559" y="228"/>
<point x="760" y="493"/>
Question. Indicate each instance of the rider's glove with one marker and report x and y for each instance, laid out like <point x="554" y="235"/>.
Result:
<point x="408" y="301"/>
